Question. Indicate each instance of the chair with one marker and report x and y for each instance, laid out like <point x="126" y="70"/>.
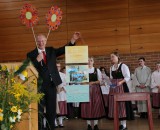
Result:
<point x="132" y="97"/>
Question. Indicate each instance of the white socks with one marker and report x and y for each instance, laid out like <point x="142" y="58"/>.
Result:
<point x="56" y="122"/>
<point x="94" y="121"/>
<point x="44" y="122"/>
<point x="60" y="120"/>
<point x="88" y="122"/>
<point x="123" y="122"/>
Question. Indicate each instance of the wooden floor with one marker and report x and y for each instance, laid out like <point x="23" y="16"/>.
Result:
<point x="104" y="124"/>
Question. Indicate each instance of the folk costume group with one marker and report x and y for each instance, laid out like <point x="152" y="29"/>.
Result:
<point x="102" y="87"/>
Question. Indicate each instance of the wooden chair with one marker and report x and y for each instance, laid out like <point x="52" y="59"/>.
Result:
<point x="132" y="97"/>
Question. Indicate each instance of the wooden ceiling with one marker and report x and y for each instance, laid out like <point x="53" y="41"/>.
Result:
<point x="127" y="26"/>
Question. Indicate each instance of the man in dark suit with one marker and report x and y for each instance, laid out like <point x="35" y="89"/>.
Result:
<point x="44" y="60"/>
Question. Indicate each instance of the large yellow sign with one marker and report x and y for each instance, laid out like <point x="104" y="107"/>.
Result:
<point x="76" y="54"/>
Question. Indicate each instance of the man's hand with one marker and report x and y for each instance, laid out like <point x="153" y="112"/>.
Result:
<point x="40" y="57"/>
<point x="75" y="37"/>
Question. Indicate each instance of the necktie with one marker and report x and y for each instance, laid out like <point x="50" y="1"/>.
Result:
<point x="44" y="57"/>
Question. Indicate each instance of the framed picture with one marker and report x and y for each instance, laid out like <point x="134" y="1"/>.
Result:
<point x="77" y="73"/>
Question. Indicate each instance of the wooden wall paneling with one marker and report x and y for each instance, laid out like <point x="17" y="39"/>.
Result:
<point x="144" y="29"/>
<point x="10" y="23"/>
<point x="7" y="1"/>
<point x="110" y="24"/>
<point x="145" y="38"/>
<point x="57" y="43"/>
<point x="102" y="41"/>
<point x="83" y="2"/>
<point x="103" y="50"/>
<point x="37" y="29"/>
<point x="143" y="11"/>
<point x="105" y="32"/>
<point x="145" y="47"/>
<point x="144" y="25"/>
<point x="15" y="22"/>
<point x="98" y="24"/>
<point x="42" y="11"/>
<point x="12" y="56"/>
<point x="142" y="3"/>
<point x="150" y="19"/>
<point x="97" y="15"/>
<point x="29" y="37"/>
<point x="101" y="5"/>
<point x="19" y="4"/>
<point x="17" y="46"/>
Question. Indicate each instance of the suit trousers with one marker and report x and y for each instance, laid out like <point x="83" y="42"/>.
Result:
<point x="49" y="101"/>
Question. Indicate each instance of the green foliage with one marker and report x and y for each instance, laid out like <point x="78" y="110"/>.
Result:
<point x="15" y="97"/>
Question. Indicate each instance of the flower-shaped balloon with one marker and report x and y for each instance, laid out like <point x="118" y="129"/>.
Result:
<point x="53" y="18"/>
<point x="29" y="15"/>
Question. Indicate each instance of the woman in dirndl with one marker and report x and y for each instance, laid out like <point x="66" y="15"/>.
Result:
<point x="94" y="109"/>
<point x="119" y="74"/>
<point x="155" y="87"/>
<point x="61" y="99"/>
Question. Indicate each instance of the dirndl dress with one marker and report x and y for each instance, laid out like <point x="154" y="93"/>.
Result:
<point x="94" y="109"/>
<point x="124" y="108"/>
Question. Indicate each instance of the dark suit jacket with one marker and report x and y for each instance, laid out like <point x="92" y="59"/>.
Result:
<point x="48" y="71"/>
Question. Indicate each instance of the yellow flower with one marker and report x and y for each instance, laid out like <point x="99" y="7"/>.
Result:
<point x="1" y="117"/>
<point x="1" y="110"/>
<point x="10" y="103"/>
<point x="16" y="68"/>
<point x="14" y="109"/>
<point x="17" y="96"/>
<point x="11" y="126"/>
<point x="13" y="80"/>
<point x="4" y="68"/>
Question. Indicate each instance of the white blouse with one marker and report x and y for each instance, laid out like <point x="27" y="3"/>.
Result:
<point x="125" y="71"/>
<point x="155" y="81"/>
<point x="62" y="95"/>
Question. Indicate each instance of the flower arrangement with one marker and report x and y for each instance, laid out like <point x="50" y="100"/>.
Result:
<point x="16" y="94"/>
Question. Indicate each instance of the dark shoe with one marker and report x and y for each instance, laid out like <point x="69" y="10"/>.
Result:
<point x="61" y="126"/>
<point x="145" y="115"/>
<point x="142" y="115"/>
<point x="121" y="127"/>
<point x="96" y="127"/>
<point x="89" y="127"/>
<point x="56" y="126"/>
